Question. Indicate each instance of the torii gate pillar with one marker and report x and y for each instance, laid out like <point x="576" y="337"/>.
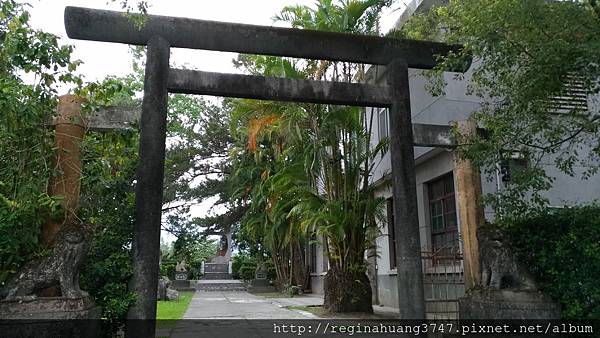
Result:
<point x="149" y="188"/>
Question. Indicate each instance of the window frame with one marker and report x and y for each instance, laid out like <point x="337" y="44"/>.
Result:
<point x="447" y="196"/>
<point x="391" y="233"/>
<point x="382" y="115"/>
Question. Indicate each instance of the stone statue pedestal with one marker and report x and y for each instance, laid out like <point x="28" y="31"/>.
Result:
<point x="260" y="283"/>
<point x="50" y="317"/>
<point x="507" y="304"/>
<point x="181" y="280"/>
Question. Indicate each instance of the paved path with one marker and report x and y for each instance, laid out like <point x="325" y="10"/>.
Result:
<point x="216" y="306"/>
<point x="235" y="313"/>
<point x="243" y="305"/>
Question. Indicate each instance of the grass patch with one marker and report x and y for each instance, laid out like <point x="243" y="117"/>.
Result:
<point x="168" y="312"/>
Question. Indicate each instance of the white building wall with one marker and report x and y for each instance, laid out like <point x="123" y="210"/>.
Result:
<point x="455" y="105"/>
<point x="431" y="163"/>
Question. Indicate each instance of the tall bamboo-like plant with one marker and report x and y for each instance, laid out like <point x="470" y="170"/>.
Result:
<point x="266" y="221"/>
<point x="321" y="157"/>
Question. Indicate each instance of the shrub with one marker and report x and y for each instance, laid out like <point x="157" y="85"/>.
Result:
<point x="237" y="262"/>
<point x="561" y="247"/>
<point x="108" y="203"/>
<point x="271" y="273"/>
<point x="20" y="230"/>
<point x="167" y="268"/>
<point x="26" y="147"/>
<point x="244" y="266"/>
<point x="247" y="271"/>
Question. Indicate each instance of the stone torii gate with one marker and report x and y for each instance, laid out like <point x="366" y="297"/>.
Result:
<point x="160" y="33"/>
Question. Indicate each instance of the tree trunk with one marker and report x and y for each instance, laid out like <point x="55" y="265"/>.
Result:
<point x="299" y="265"/>
<point x="347" y="291"/>
<point x="281" y="263"/>
<point x="278" y="271"/>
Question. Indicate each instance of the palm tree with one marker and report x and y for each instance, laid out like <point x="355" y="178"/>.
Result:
<point x="266" y="220"/>
<point x="315" y="161"/>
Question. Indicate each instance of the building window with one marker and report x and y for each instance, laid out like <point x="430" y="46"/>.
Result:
<point x="573" y="96"/>
<point x="512" y="166"/>
<point x="313" y="254"/>
<point x="442" y="214"/>
<point x="382" y="121"/>
<point x="391" y="232"/>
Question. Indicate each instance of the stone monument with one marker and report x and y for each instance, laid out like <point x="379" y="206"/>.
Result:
<point x="223" y="255"/>
<point x="261" y="272"/>
<point x="220" y="266"/>
<point x="260" y="283"/>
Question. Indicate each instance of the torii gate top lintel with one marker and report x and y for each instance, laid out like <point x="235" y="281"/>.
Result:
<point x="111" y="26"/>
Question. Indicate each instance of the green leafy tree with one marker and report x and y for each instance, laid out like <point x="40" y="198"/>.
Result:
<point x="535" y="66"/>
<point x="197" y="157"/>
<point x="26" y="145"/>
<point x="535" y="63"/>
<point x="265" y="226"/>
<point x="108" y="204"/>
<point x="198" y="166"/>
<point x="108" y="187"/>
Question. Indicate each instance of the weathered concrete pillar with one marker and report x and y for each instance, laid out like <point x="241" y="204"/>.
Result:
<point x="470" y="205"/>
<point x="149" y="190"/>
<point x="411" y="296"/>
<point x="69" y="131"/>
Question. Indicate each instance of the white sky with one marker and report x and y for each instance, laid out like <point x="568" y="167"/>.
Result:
<point x="101" y="59"/>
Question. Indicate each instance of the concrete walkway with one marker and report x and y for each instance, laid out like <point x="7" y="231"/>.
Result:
<point x="213" y="307"/>
<point x="243" y="305"/>
<point x="216" y="308"/>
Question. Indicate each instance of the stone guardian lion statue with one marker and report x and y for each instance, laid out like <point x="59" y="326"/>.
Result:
<point x="499" y="267"/>
<point x="58" y="269"/>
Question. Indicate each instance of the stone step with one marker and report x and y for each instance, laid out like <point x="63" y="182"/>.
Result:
<point x="216" y="275"/>
<point x="220" y="285"/>
<point x="441" y="309"/>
